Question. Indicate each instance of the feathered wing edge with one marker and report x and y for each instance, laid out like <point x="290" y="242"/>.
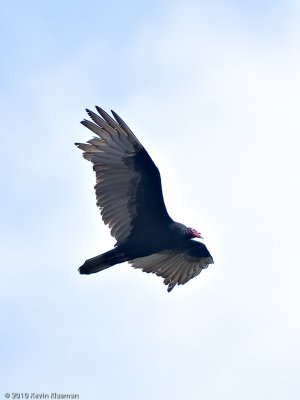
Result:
<point x="107" y="152"/>
<point x="176" y="268"/>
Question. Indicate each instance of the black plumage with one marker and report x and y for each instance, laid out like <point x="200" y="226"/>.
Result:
<point x="129" y="195"/>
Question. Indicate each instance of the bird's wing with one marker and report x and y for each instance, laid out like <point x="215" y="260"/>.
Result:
<point x="128" y="185"/>
<point x="178" y="265"/>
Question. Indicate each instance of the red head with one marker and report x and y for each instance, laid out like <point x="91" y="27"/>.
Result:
<point x="193" y="233"/>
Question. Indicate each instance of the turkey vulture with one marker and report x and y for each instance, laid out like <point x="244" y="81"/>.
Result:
<point x="129" y="195"/>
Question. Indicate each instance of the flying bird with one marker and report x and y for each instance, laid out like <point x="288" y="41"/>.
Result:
<point x="129" y="195"/>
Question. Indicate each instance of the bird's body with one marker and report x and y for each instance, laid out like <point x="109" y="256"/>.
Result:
<point x="129" y="194"/>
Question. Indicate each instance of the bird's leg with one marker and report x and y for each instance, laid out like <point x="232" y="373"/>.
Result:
<point x="118" y="258"/>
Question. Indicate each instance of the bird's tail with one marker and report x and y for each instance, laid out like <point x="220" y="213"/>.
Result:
<point x="101" y="262"/>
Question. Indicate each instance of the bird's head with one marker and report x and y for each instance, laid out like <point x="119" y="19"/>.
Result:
<point x="193" y="233"/>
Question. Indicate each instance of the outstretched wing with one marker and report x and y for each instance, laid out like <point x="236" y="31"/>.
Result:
<point x="178" y="265"/>
<point x="128" y="185"/>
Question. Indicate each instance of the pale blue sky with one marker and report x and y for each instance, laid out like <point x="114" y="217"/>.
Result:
<point x="211" y="88"/>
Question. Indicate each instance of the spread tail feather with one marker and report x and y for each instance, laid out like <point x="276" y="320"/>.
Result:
<point x="101" y="262"/>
